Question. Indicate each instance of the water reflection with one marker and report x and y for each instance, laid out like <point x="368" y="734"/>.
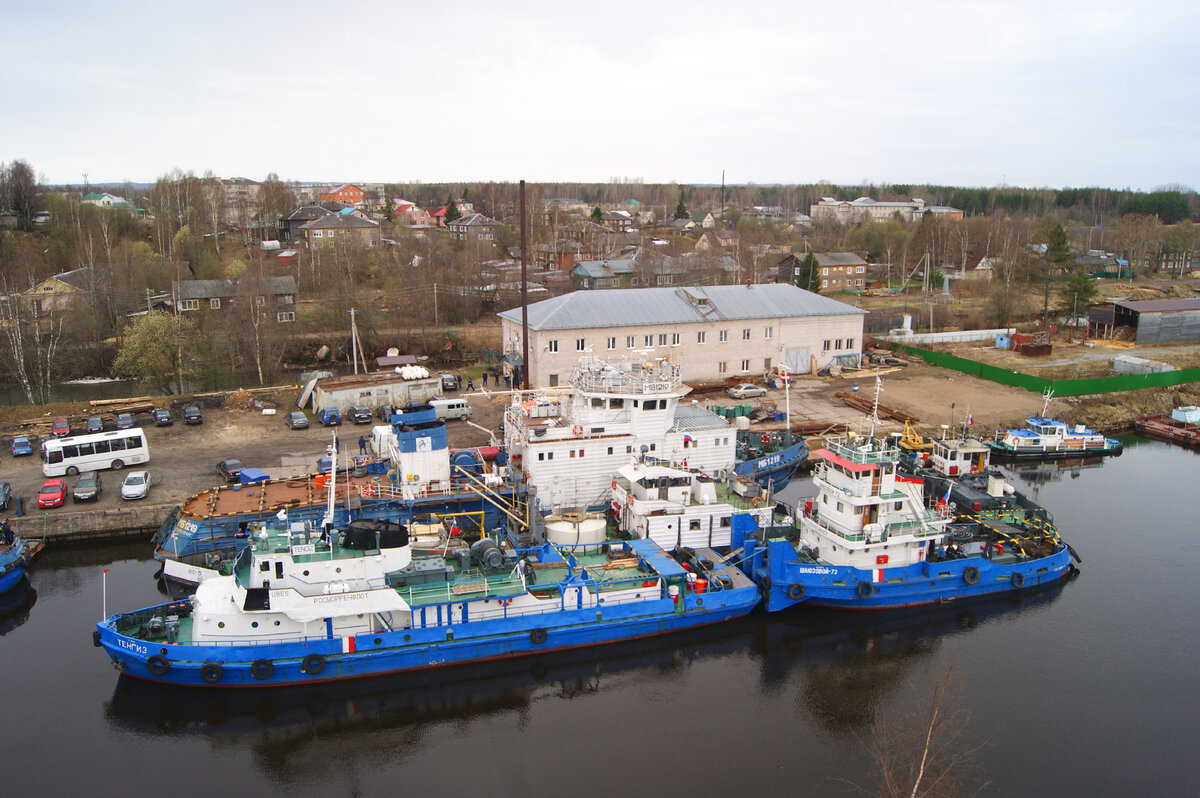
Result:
<point x="840" y="665"/>
<point x="15" y="605"/>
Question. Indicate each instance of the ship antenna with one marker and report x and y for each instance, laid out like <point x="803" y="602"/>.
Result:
<point x="875" y="408"/>
<point x="1046" y="401"/>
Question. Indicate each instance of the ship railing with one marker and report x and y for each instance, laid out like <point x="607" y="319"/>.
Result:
<point x="468" y="584"/>
<point x="870" y="453"/>
<point x="664" y="378"/>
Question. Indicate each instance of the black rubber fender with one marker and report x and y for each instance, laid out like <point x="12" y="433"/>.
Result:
<point x="211" y="673"/>
<point x="796" y="592"/>
<point x="313" y="664"/>
<point x="537" y="636"/>
<point x="157" y="665"/>
<point x="864" y="590"/>
<point x="1018" y="579"/>
<point x="261" y="669"/>
<point x="971" y="575"/>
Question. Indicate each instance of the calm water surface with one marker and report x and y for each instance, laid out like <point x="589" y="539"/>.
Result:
<point x="1087" y="689"/>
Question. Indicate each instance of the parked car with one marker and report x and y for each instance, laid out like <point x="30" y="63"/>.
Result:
<point x="21" y="446"/>
<point x="53" y="493"/>
<point x="163" y="418"/>
<point x="746" y="390"/>
<point x="230" y="470"/>
<point x="191" y="415"/>
<point x="95" y="424"/>
<point x="449" y="382"/>
<point x="359" y="415"/>
<point x="125" y="421"/>
<point x="60" y="428"/>
<point x="5" y="495"/>
<point x="384" y="412"/>
<point x="136" y="485"/>
<point x="296" y="420"/>
<point x="330" y="417"/>
<point x="87" y="487"/>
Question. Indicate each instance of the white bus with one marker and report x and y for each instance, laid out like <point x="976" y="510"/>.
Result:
<point x="99" y="450"/>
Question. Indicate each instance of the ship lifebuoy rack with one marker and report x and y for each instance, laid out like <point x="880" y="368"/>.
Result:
<point x="577" y="429"/>
<point x="764" y="439"/>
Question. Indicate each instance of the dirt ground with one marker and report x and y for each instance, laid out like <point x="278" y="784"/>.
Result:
<point x="183" y="458"/>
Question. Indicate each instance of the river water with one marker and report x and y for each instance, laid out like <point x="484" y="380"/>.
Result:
<point x="1085" y="689"/>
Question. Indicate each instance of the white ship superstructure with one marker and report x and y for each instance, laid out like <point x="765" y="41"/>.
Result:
<point x="569" y="444"/>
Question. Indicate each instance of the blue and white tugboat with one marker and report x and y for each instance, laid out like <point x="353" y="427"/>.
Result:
<point x="870" y="540"/>
<point x="1047" y="438"/>
<point x="307" y="604"/>
<point x="14" y="556"/>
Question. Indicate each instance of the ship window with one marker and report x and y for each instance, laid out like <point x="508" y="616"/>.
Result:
<point x="628" y="450"/>
<point x="694" y="524"/>
<point x="839" y="507"/>
<point x="610" y="450"/>
<point x="650" y="404"/>
<point x="597" y="402"/>
<point x="726" y="520"/>
<point x="616" y="404"/>
<point x="264" y="566"/>
<point x="652" y="447"/>
<point x="279" y="569"/>
<point x="541" y="455"/>
<point x="549" y="455"/>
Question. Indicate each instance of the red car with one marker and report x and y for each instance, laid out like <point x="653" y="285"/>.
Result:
<point x="60" y="428"/>
<point x="53" y="493"/>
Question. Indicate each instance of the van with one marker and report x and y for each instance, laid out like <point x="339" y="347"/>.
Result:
<point x="449" y="409"/>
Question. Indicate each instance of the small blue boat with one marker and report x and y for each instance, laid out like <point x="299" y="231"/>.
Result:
<point x="1046" y="438"/>
<point x="769" y="457"/>
<point x="14" y="556"/>
<point x="870" y="540"/>
<point x="305" y="605"/>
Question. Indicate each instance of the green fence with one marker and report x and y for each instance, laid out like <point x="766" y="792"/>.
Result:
<point x="1128" y="382"/>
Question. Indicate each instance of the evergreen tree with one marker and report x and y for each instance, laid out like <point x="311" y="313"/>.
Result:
<point x="681" y="211"/>
<point x="809" y="277"/>
<point x="597" y="215"/>
<point x="1077" y="293"/>
<point x="451" y="210"/>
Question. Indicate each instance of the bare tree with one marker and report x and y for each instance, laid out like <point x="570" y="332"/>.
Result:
<point x="32" y="336"/>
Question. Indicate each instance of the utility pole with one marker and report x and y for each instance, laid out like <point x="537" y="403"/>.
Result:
<point x="353" y="341"/>
<point x="524" y="297"/>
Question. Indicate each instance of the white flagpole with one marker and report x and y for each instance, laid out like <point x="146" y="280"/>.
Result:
<point x="104" y="595"/>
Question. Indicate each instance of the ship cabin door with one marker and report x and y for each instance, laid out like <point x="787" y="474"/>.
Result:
<point x="876" y="481"/>
<point x="870" y="514"/>
<point x="664" y="483"/>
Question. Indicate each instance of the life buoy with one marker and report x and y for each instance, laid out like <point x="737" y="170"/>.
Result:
<point x="577" y="429"/>
<point x="755" y="501"/>
<point x="157" y="665"/>
<point x="537" y="636"/>
<point x="368" y="490"/>
<point x="864" y="590"/>
<point x="211" y="672"/>
<point x="796" y="592"/>
<point x="614" y="484"/>
<point x="971" y="575"/>
<point x="1018" y="579"/>
<point x="629" y="500"/>
<point x="764" y="438"/>
<point x="262" y="669"/>
<point x="313" y="664"/>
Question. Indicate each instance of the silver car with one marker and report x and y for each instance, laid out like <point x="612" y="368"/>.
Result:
<point x="746" y="390"/>
<point x="136" y="485"/>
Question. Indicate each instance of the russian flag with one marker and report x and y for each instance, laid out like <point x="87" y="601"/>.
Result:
<point x="688" y="439"/>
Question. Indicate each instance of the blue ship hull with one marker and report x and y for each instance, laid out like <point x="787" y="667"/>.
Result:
<point x="776" y="468"/>
<point x="12" y="564"/>
<point x="329" y="659"/>
<point x="786" y="581"/>
<point x="11" y="578"/>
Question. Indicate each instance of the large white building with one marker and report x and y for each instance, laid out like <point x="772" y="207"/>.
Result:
<point x="865" y="209"/>
<point x="711" y="332"/>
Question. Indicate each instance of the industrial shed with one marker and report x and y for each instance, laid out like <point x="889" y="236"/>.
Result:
<point x="1154" y="321"/>
<point x="372" y="390"/>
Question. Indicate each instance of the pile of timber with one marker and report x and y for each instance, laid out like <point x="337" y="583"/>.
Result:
<point x="868" y="406"/>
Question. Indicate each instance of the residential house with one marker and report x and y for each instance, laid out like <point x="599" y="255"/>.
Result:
<point x="865" y="209"/>
<point x="592" y="274"/>
<point x="621" y="221"/>
<point x="276" y="296"/>
<point x="105" y="200"/>
<point x="712" y="333"/>
<point x="59" y="292"/>
<point x="838" y="271"/>
<point x="717" y="241"/>
<point x="289" y="226"/>
<point x="337" y="228"/>
<point x="241" y="200"/>
<point x="347" y="193"/>
<point x="704" y="219"/>
<point x="562" y="255"/>
<point x="473" y="226"/>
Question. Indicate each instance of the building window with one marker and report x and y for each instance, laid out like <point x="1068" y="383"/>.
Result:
<point x="286" y="299"/>
<point x="675" y="339"/>
<point x="859" y="270"/>
<point x="769" y="333"/>
<point x="662" y="339"/>
<point x="214" y="303"/>
<point x="552" y="347"/>
<point x="316" y="233"/>
<point x="837" y="345"/>
<point x="723" y="336"/>
<point x="553" y="380"/>
<point x="746" y="334"/>
<point x="849" y="343"/>
<point x="629" y="342"/>
<point x="745" y="365"/>
<point x="721" y="367"/>
<point x="259" y="301"/>
<point x="189" y="304"/>
<point x="766" y="364"/>
<point x="825" y="346"/>
<point x="700" y="337"/>
<point x="285" y="316"/>
<point x="824" y="283"/>
<point x="580" y="344"/>
<point x="612" y="342"/>
<point x="649" y="340"/>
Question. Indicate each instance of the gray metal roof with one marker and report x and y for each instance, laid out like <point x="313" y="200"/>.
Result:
<point x="1155" y="305"/>
<point x="223" y="289"/>
<point x="630" y="307"/>
<point x="693" y="418"/>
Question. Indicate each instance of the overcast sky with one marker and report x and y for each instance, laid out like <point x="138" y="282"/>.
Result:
<point x="1040" y="93"/>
